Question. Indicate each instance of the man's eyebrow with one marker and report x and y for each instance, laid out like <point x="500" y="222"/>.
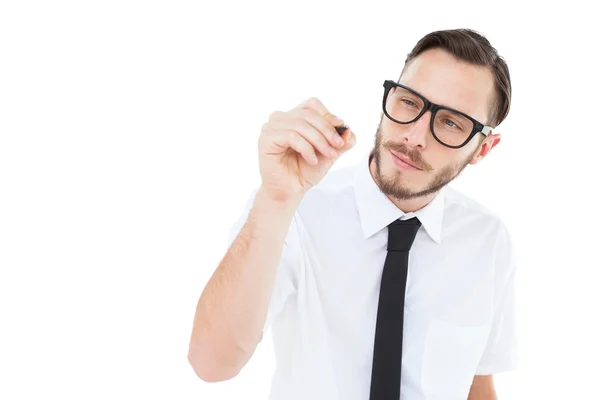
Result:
<point x="441" y="104"/>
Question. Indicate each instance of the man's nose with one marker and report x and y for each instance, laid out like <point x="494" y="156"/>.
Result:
<point x="418" y="131"/>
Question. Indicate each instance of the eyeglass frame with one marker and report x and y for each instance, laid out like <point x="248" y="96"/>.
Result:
<point x="478" y="127"/>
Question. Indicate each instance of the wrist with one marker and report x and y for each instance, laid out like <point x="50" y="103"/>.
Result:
<point x="277" y="204"/>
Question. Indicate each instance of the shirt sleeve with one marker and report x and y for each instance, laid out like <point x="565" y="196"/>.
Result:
<point x="500" y="353"/>
<point x="285" y="285"/>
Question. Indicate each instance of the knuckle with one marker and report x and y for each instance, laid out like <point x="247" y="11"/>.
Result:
<point x="304" y="112"/>
<point x="289" y="136"/>
<point x="307" y="113"/>
<point x="300" y="123"/>
<point x="261" y="142"/>
<point x="274" y="115"/>
<point x="314" y="101"/>
<point x="317" y="106"/>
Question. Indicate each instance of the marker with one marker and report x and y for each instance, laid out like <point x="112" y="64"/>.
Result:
<point x="341" y="129"/>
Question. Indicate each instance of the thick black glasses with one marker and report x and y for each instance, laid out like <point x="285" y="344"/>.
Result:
<point x="449" y="127"/>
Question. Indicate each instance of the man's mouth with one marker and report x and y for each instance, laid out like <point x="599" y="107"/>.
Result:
<point x="404" y="162"/>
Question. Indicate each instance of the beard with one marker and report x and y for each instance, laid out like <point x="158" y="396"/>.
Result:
<point x="392" y="185"/>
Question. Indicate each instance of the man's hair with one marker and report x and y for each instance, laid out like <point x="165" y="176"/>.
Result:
<point x="471" y="47"/>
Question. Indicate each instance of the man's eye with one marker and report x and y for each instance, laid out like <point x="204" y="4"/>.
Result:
<point x="409" y="103"/>
<point x="453" y="125"/>
<point x="450" y="123"/>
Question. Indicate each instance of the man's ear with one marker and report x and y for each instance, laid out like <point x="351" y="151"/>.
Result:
<point x="485" y="147"/>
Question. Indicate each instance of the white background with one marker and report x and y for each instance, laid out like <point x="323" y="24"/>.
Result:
<point x="128" y="148"/>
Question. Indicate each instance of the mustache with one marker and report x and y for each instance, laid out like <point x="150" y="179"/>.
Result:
<point x="413" y="155"/>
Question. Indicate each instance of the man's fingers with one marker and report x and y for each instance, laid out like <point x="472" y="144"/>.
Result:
<point x="349" y="141"/>
<point x="321" y="124"/>
<point x="314" y="103"/>
<point x="308" y="132"/>
<point x="295" y="141"/>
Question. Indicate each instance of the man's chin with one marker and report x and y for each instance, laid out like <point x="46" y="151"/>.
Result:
<point x="399" y="186"/>
<point x="411" y="180"/>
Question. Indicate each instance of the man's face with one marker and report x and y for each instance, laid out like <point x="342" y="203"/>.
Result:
<point x="445" y="81"/>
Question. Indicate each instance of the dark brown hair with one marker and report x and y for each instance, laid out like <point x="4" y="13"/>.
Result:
<point x="470" y="46"/>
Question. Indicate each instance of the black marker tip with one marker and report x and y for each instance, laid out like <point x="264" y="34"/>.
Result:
<point x="341" y="129"/>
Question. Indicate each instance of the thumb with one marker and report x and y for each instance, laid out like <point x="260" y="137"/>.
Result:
<point x="349" y="140"/>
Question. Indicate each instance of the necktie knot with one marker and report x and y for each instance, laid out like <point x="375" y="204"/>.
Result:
<point x="402" y="233"/>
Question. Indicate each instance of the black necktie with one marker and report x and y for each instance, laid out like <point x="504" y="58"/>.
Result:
<point x="387" y="353"/>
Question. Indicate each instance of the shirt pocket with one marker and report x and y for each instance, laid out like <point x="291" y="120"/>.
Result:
<point x="451" y="355"/>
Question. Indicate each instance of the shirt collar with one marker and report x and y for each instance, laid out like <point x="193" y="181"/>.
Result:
<point x="377" y="211"/>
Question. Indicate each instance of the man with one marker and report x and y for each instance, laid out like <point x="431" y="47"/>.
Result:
<point x="379" y="281"/>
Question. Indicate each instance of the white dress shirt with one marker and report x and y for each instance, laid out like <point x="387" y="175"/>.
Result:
<point x="459" y="314"/>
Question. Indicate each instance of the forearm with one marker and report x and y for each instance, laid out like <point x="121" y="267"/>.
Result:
<point x="483" y="388"/>
<point x="233" y="306"/>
